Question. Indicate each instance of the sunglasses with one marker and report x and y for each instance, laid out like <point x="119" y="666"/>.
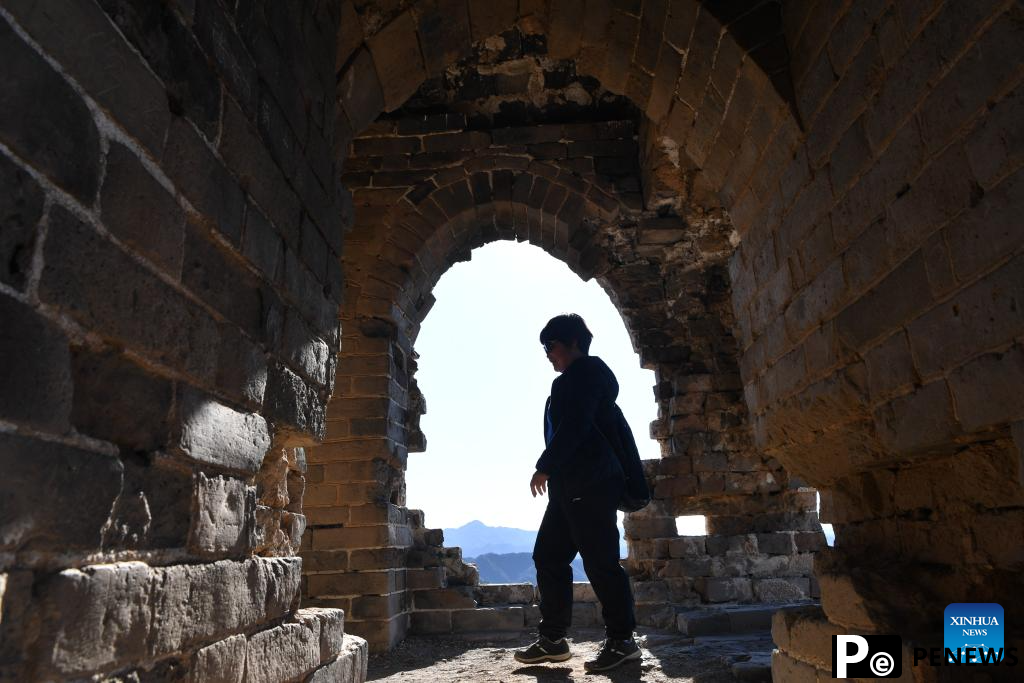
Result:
<point x="548" y="345"/>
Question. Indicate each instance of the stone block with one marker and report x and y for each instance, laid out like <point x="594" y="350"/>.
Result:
<point x="106" y="291"/>
<point x="381" y="634"/>
<point x="204" y="180"/>
<point x="785" y="668"/>
<point x="218" y="278"/>
<point x="117" y="401"/>
<point x="421" y="579"/>
<point x="398" y="60"/>
<point x="348" y="667"/>
<point x="506" y="594"/>
<point x="488" y="619"/>
<point x="583" y="591"/>
<point x="843" y="604"/>
<point x="290" y="401"/>
<point x="15" y="620"/>
<point x="586" y="614"/>
<point x="332" y="629"/>
<point x="284" y="653"/>
<point x="21" y="207"/>
<point x="741" y="544"/>
<point x="359" y="91"/>
<point x="703" y="623"/>
<point x="687" y="546"/>
<point x="781" y="543"/>
<point x="431" y="622"/>
<point x="45" y="121"/>
<point x="223" y="517"/>
<point x="444" y="31"/>
<point x="379" y="606"/>
<point x="984" y="315"/>
<point x="724" y="589"/>
<point x="84" y="481"/>
<point x="781" y="589"/>
<point x="222" y="662"/>
<point x="356" y="583"/>
<point x="102" y="617"/>
<point x="305" y="350"/>
<point x="140" y="212"/>
<point x="986" y="389"/>
<point x="444" y="598"/>
<point x="211" y="433"/>
<point x="35" y="376"/>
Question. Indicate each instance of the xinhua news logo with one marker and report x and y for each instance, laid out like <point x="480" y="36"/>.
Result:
<point x="866" y="656"/>
<point x="972" y="633"/>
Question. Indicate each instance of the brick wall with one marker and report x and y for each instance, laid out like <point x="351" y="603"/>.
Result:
<point x="877" y="294"/>
<point x="169" y="296"/>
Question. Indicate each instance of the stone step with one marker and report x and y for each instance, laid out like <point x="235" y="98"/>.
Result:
<point x="480" y="620"/>
<point x="757" y="669"/>
<point x="505" y="593"/>
<point x="729" y="619"/>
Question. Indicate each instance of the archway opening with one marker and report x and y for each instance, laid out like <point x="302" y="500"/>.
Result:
<point x="485" y="387"/>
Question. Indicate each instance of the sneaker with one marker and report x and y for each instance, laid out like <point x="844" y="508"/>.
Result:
<point x="544" y="650"/>
<point x="613" y="653"/>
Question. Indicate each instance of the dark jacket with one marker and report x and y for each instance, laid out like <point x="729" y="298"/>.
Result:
<point x="577" y="455"/>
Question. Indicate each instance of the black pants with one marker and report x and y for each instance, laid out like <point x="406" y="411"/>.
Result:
<point x="586" y="525"/>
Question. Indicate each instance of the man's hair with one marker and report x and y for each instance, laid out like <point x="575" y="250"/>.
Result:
<point x="567" y="328"/>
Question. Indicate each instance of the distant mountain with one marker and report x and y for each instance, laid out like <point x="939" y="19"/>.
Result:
<point x="476" y="538"/>
<point x="515" y="568"/>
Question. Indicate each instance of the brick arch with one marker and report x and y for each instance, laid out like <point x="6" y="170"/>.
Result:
<point x="682" y="64"/>
<point x="425" y="233"/>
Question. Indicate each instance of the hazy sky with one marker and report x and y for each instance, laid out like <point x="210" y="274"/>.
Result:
<point x="485" y="378"/>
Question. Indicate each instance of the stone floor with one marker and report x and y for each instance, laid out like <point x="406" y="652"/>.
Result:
<point x="667" y="657"/>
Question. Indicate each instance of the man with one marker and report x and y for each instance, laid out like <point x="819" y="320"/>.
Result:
<point x="585" y="481"/>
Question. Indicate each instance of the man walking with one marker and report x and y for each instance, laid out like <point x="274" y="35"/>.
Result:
<point x="585" y="480"/>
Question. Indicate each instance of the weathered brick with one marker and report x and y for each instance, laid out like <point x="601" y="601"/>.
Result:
<point x="87" y="482"/>
<point x="283" y="653"/>
<point x="139" y="211"/>
<point x="359" y="91"/>
<point x="209" y="432"/>
<point x="896" y="299"/>
<point x="139" y="103"/>
<point x="201" y="177"/>
<point x="45" y="122"/>
<point x="982" y="316"/>
<point x="35" y="372"/>
<point x="116" y="400"/>
<point x="222" y="662"/>
<point x="919" y="421"/>
<point x="444" y="33"/>
<point x="988" y="232"/>
<point x="21" y="206"/>
<point x="987" y="389"/>
<point x="173" y="53"/>
<point x="489" y="19"/>
<point x="890" y="366"/>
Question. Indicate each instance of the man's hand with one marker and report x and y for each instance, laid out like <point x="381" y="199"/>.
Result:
<point x="539" y="484"/>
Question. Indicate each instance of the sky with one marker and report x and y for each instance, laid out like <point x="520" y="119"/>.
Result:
<point x="485" y="378"/>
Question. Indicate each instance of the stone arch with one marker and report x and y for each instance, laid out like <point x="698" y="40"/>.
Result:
<point x="683" y="65"/>
<point x="813" y="197"/>
<point x="409" y="227"/>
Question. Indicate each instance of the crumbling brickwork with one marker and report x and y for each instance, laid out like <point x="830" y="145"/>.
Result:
<point x="222" y="220"/>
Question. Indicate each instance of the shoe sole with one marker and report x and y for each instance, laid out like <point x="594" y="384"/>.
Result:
<point x="628" y="658"/>
<point x="543" y="658"/>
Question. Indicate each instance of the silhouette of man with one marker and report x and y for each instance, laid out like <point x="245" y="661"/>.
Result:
<point x="581" y="473"/>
